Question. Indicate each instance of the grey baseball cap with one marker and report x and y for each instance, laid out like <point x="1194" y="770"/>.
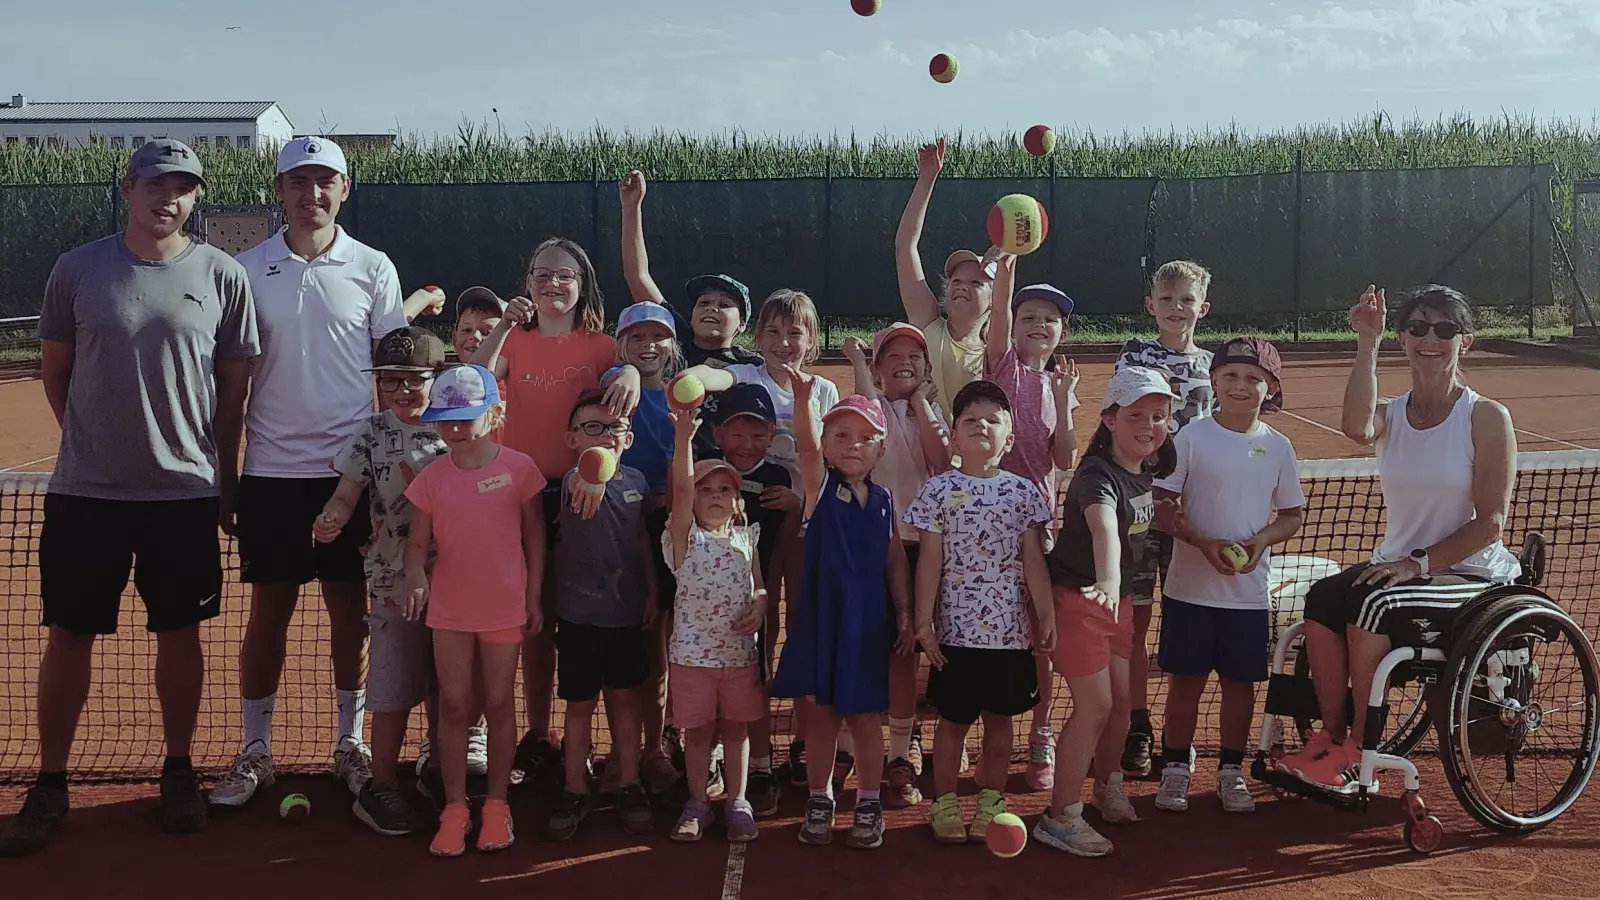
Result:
<point x="164" y="155"/>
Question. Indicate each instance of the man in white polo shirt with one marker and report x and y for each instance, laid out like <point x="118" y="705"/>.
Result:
<point x="322" y="300"/>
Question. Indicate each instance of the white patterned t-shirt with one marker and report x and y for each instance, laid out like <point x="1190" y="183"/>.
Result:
<point x="980" y="590"/>
<point x="1188" y="374"/>
<point x="716" y="585"/>
<point x="385" y="454"/>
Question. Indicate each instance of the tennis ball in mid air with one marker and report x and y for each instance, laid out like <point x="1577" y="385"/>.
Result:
<point x="1039" y="140"/>
<point x="943" y="67"/>
<point x="1018" y="224"/>
<point x="864" y="7"/>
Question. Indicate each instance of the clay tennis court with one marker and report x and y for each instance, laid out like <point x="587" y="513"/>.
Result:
<point x="1289" y="848"/>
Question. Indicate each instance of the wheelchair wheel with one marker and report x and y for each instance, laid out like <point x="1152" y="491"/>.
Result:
<point x="1516" y="714"/>
<point x="1408" y="712"/>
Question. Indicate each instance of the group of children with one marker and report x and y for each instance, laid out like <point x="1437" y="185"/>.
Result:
<point x="915" y="515"/>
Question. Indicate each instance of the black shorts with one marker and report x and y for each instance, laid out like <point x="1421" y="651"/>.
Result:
<point x="590" y="658"/>
<point x="975" y="681"/>
<point x="275" y="546"/>
<point x="655" y="524"/>
<point x="1411" y="614"/>
<point x="550" y="499"/>
<point x="87" y="548"/>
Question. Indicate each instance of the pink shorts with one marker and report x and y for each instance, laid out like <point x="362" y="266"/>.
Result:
<point x="1086" y="638"/>
<point x="503" y="636"/>
<point x="701" y="695"/>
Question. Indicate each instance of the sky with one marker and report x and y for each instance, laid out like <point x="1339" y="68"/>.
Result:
<point x="423" y="67"/>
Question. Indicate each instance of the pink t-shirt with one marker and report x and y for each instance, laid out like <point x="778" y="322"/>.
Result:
<point x="480" y="582"/>
<point x="1033" y="417"/>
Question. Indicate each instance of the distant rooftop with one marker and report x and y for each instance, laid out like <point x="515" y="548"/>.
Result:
<point x="30" y="111"/>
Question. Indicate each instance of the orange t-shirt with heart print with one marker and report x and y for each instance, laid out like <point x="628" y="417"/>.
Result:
<point x="544" y="377"/>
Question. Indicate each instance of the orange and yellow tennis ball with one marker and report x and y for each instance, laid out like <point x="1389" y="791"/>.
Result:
<point x="1018" y="224"/>
<point x="1006" y="835"/>
<point x="686" y="392"/>
<point x="943" y="67"/>
<point x="1040" y="140"/>
<point x="597" y="465"/>
<point x="864" y="7"/>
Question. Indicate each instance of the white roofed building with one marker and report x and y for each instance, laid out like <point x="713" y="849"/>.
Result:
<point x="244" y="124"/>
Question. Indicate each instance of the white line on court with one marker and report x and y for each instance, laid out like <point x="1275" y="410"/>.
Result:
<point x="31" y="462"/>
<point x="733" y="876"/>
<point x="1314" y="422"/>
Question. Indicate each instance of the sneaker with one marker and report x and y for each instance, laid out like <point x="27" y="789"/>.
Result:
<point x="945" y="816"/>
<point x="1174" y="793"/>
<point x="1315" y="748"/>
<point x="42" y="813"/>
<point x="451" y="838"/>
<point x="385" y="810"/>
<point x="352" y="764"/>
<point x="902" y="779"/>
<point x="251" y="771"/>
<point x="430" y="784"/>
<point x="424" y="755"/>
<point x="991" y="803"/>
<point x="763" y="793"/>
<point x="843" y="765"/>
<point x="716" y="785"/>
<point x="183" y="810"/>
<point x="797" y="763"/>
<point x="1071" y="833"/>
<point x="478" y="751"/>
<point x="817" y="829"/>
<point x="566" y="812"/>
<point x="867" y="833"/>
<point x="914" y="755"/>
<point x="633" y="807"/>
<point x="1232" y="790"/>
<point x="1111" y="799"/>
<point x="693" y="821"/>
<point x="495" y="832"/>
<point x="1041" y="759"/>
<point x="539" y="761"/>
<point x="1338" y="770"/>
<point x="1136" y="752"/>
<point x="658" y="773"/>
<point x="741" y="822"/>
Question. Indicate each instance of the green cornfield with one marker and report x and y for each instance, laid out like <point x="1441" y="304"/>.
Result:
<point x="476" y="155"/>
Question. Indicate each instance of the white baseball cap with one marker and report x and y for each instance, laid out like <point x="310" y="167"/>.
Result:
<point x="1133" y="383"/>
<point x="312" y="151"/>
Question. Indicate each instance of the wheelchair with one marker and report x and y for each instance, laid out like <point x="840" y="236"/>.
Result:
<point x="1512" y="692"/>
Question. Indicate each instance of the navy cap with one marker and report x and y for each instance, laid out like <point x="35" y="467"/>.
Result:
<point x="741" y="400"/>
<point x="701" y="283"/>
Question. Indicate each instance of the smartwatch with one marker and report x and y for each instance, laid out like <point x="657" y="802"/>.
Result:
<point x="1420" y="557"/>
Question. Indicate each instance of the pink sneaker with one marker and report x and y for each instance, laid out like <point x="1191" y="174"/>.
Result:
<point x="1318" y="746"/>
<point x="1041" y="759"/>
<point x="1338" y="770"/>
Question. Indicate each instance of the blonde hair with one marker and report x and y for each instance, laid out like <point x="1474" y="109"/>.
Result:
<point x="795" y="306"/>
<point x="1180" y="270"/>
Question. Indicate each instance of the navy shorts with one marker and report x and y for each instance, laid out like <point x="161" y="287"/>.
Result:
<point x="1199" y="640"/>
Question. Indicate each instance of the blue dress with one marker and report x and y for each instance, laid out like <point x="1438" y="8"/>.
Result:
<point x="842" y="635"/>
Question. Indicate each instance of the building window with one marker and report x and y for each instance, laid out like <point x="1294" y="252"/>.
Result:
<point x="33" y="141"/>
<point x="52" y="141"/>
<point x="136" y="141"/>
<point x="200" y="141"/>
<point x="117" y="142"/>
<point x="242" y="142"/>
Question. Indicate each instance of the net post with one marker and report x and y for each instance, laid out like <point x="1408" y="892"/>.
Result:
<point x="1533" y="173"/>
<point x="827" y="245"/>
<point x="1299" y="201"/>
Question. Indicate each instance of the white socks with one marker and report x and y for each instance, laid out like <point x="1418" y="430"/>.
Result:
<point x="258" y="722"/>
<point x="900" y="738"/>
<point x="352" y="706"/>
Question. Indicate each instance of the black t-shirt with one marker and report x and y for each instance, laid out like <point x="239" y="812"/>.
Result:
<point x="1100" y="480"/>
<point x="767" y="474"/>
<point x="719" y="359"/>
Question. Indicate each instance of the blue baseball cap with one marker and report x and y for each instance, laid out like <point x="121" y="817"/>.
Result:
<point x="745" y="399"/>
<point x="1047" y="292"/>
<point x="646" y="311"/>
<point x="461" y="394"/>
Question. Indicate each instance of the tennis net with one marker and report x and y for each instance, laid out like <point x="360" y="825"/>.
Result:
<point x="120" y="736"/>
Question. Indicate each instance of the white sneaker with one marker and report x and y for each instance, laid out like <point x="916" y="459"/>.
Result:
<point x="1174" y="793"/>
<point x="252" y="770"/>
<point x="1112" y="801"/>
<point x="478" y="750"/>
<point x="424" y="753"/>
<point x="352" y="764"/>
<point x="1071" y="833"/>
<point x="1231" y="789"/>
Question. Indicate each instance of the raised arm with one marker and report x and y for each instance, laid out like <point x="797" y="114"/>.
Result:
<point x="1064" y="442"/>
<point x="922" y="306"/>
<point x="1362" y="420"/>
<point x="635" y="260"/>
<point x="518" y="311"/>
<point x="855" y="351"/>
<point x="680" y="515"/>
<point x="807" y="439"/>
<point x="998" y="340"/>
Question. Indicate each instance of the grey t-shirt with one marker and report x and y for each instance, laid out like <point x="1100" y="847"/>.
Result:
<point x="601" y="563"/>
<point x="142" y="402"/>
<point x="1101" y="481"/>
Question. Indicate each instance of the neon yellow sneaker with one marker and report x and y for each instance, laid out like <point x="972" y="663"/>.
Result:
<point x="945" y="815"/>
<point x="991" y="803"/>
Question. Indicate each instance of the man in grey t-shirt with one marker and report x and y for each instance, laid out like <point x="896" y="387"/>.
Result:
<point x="147" y="339"/>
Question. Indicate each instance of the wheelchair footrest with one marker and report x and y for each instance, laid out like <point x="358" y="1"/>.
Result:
<point x="1283" y="781"/>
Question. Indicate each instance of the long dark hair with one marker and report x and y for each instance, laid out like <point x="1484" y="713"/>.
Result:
<point x="1159" y="464"/>
<point x="591" y="309"/>
<point x="1446" y="301"/>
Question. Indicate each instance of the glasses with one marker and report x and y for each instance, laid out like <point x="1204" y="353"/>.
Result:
<point x="595" y="429"/>
<point x="1445" y="330"/>
<point x="559" y="276"/>
<point x="391" y="383"/>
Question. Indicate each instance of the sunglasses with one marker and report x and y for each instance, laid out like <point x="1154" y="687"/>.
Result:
<point x="1418" y="328"/>
<point x="595" y="429"/>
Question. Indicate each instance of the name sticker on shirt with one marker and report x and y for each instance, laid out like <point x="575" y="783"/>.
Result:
<point x="752" y="487"/>
<point x="1257" y="450"/>
<point x="494" y="483"/>
<point x="959" y="499"/>
<point x="631" y="496"/>
<point x="843" y="493"/>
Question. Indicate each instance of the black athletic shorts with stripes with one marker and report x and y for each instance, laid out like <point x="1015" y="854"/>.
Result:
<point x="1415" y="613"/>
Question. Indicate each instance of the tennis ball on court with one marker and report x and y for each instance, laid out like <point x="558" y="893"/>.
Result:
<point x="943" y="67"/>
<point x="597" y="465"/>
<point x="686" y="392"/>
<point x="294" y="809"/>
<point x="1039" y="140"/>
<point x="1237" y="556"/>
<point x="1006" y="835"/>
<point x="1018" y="224"/>
<point x="864" y="7"/>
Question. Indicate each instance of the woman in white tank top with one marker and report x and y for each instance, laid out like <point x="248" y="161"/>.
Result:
<point x="1446" y="465"/>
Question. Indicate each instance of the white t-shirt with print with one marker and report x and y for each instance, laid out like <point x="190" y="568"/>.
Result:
<point x="824" y="395"/>
<point x="385" y="454"/>
<point x="1230" y="483"/>
<point x="310" y="387"/>
<point x="716" y="585"/>
<point x="1188" y="374"/>
<point x="982" y="520"/>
